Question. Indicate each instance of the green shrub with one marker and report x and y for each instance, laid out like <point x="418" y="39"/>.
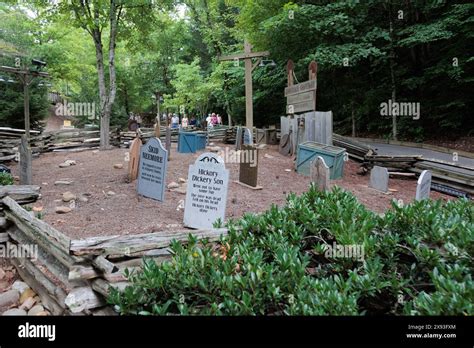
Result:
<point x="417" y="260"/>
<point x="6" y="179"/>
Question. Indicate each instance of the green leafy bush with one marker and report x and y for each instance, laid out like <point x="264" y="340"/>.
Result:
<point x="417" y="259"/>
<point x="6" y="179"/>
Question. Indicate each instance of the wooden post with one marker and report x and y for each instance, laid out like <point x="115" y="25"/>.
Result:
<point x="290" y="68"/>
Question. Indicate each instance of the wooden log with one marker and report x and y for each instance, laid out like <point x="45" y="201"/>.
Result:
<point x="48" y="260"/>
<point x="60" y="240"/>
<point x="104" y="265"/>
<point x="83" y="298"/>
<point x="37" y="282"/>
<point x="20" y="193"/>
<point x="4" y="237"/>
<point x="3" y="223"/>
<point x="103" y="287"/>
<point x="78" y="272"/>
<point x="126" y="245"/>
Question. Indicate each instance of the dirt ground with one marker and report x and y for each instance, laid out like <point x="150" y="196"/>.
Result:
<point x="124" y="212"/>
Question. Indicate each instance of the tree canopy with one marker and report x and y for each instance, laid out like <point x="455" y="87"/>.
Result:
<point x="367" y="53"/>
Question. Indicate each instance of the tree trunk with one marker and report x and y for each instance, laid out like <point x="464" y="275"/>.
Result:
<point x="392" y="72"/>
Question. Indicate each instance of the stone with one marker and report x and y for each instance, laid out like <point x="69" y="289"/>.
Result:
<point x="25" y="161"/>
<point x="110" y="193"/>
<point x="83" y="199"/>
<point x="14" y="312"/>
<point x="214" y="148"/>
<point x="320" y="174"/>
<point x="69" y="196"/>
<point x="67" y="163"/>
<point x="28" y="303"/>
<point x="63" y="210"/>
<point x="118" y="165"/>
<point x="173" y="185"/>
<point x="182" y="180"/>
<point x="9" y="298"/>
<point x="20" y="286"/>
<point x="36" y="309"/>
<point x="4" y="285"/>
<point x="95" y="151"/>
<point x="42" y="314"/>
<point x="152" y="170"/>
<point x="26" y="294"/>
<point x="379" y="179"/>
<point x="268" y="156"/>
<point x="423" y="187"/>
<point x="206" y="195"/>
<point x="180" y="189"/>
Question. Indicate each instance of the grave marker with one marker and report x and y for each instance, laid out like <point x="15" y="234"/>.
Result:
<point x="238" y="139"/>
<point x="206" y="194"/>
<point x="320" y="174"/>
<point x="168" y="142"/>
<point x="423" y="186"/>
<point x="25" y="161"/>
<point x="248" y="137"/>
<point x="379" y="178"/>
<point x="134" y="159"/>
<point x="152" y="170"/>
<point x="248" y="173"/>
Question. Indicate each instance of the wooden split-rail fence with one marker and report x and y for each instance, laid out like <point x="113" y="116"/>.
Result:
<point x="75" y="276"/>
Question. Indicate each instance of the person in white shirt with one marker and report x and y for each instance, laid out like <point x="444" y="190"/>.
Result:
<point x="184" y="121"/>
<point x="175" y="121"/>
<point x="208" y="120"/>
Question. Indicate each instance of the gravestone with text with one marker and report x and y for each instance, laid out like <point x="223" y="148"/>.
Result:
<point x="379" y="178"/>
<point x="206" y="194"/>
<point x="152" y="170"/>
<point x="320" y="174"/>
<point x="423" y="186"/>
<point x="25" y="162"/>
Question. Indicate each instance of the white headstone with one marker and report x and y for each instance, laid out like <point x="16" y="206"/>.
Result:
<point x="379" y="178"/>
<point x="320" y="174"/>
<point x="423" y="186"/>
<point x="206" y="195"/>
<point x="248" y="137"/>
<point x="152" y="170"/>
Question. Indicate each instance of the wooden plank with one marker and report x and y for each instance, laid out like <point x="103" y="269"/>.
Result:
<point x="136" y="243"/>
<point x="60" y="240"/>
<point x="20" y="193"/>
<point x="103" y="287"/>
<point x="78" y="272"/>
<point x="104" y="265"/>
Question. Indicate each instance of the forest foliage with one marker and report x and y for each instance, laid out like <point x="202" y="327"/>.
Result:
<point x="367" y="52"/>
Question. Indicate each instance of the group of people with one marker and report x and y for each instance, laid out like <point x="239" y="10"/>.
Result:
<point x="213" y="120"/>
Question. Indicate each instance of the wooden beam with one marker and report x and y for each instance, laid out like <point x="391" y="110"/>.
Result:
<point x="130" y="244"/>
<point x="245" y="55"/>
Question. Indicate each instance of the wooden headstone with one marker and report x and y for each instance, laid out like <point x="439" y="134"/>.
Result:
<point x="25" y="162"/>
<point x="423" y="186"/>
<point x="320" y="174"/>
<point x="238" y="139"/>
<point x="379" y="178"/>
<point x="206" y="194"/>
<point x="248" y="173"/>
<point x="134" y="159"/>
<point x="168" y="142"/>
<point x="152" y="170"/>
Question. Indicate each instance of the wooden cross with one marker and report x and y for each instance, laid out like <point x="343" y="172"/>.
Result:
<point x="247" y="56"/>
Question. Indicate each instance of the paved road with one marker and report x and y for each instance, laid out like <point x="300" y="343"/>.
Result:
<point x="390" y="149"/>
